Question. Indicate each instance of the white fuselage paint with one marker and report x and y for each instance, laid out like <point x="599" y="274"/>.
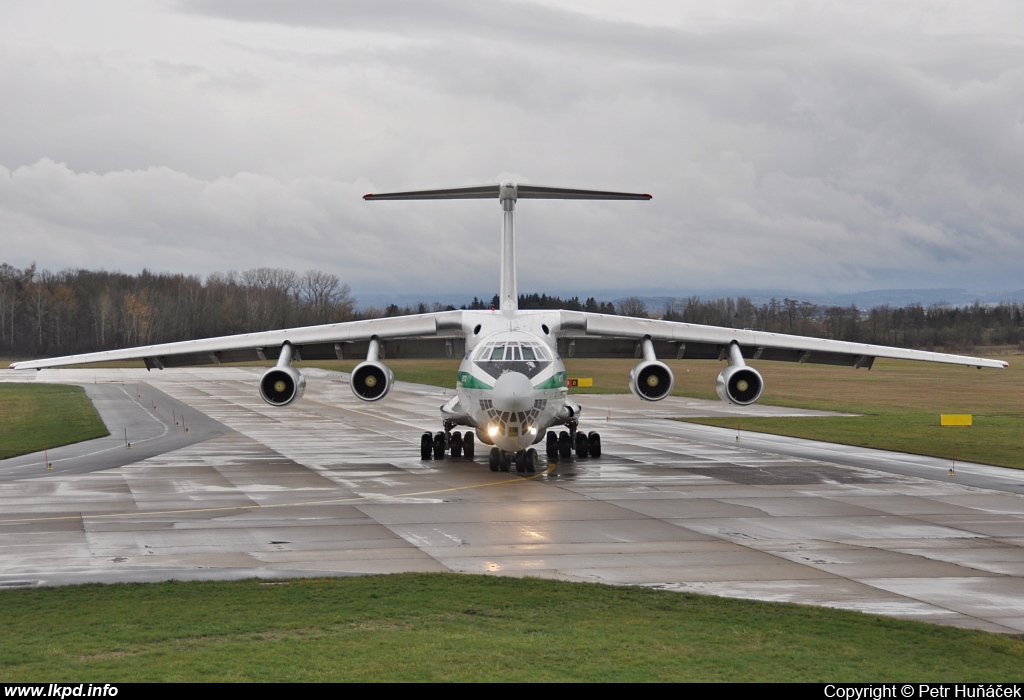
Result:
<point x="512" y="383"/>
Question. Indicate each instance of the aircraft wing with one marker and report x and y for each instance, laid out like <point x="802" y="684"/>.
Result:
<point x="599" y="335"/>
<point x="425" y="335"/>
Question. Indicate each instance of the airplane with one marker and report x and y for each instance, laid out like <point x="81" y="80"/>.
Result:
<point x="512" y="384"/>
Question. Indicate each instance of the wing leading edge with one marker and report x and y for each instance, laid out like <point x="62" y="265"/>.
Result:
<point x="597" y="335"/>
<point x="426" y="335"/>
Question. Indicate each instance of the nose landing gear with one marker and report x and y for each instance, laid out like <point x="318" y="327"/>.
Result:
<point x="525" y="461"/>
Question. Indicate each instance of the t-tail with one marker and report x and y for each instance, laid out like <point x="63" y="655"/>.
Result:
<point x="508" y="192"/>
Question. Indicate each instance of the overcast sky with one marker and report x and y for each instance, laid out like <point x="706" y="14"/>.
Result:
<point x="812" y="146"/>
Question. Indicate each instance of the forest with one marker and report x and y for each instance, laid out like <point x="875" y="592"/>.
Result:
<point x="76" y="310"/>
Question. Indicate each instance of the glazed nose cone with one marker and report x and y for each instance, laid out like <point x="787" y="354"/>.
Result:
<point x="513" y="392"/>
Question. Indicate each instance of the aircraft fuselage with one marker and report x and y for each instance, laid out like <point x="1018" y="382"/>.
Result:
<point x="512" y="384"/>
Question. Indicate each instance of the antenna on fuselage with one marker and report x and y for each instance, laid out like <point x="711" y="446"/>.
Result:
<point x="507" y="193"/>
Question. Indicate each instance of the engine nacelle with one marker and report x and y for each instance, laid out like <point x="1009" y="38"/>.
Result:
<point x="651" y="380"/>
<point x="279" y="386"/>
<point x="371" y="380"/>
<point x="739" y="384"/>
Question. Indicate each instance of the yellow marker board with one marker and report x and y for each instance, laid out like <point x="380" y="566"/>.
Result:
<point x="588" y="381"/>
<point x="956" y="419"/>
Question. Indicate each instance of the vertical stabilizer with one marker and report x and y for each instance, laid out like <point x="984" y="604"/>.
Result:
<point x="509" y="293"/>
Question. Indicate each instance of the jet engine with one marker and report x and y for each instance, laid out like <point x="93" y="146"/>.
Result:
<point x="739" y="384"/>
<point x="282" y="385"/>
<point x="651" y="380"/>
<point x="372" y="380"/>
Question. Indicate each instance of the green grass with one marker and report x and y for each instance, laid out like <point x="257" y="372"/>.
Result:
<point x="452" y="627"/>
<point x="38" y="416"/>
<point x="900" y="404"/>
<point x="997" y="440"/>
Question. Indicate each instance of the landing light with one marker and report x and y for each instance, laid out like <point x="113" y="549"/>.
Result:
<point x="533" y="430"/>
<point x="492" y="431"/>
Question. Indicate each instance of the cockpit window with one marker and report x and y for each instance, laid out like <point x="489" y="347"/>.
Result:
<point x="512" y="352"/>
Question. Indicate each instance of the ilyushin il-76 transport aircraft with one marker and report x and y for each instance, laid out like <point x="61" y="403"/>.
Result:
<point x="512" y="391"/>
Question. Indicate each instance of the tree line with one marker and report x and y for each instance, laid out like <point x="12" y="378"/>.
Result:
<point x="74" y="311"/>
<point x="939" y="326"/>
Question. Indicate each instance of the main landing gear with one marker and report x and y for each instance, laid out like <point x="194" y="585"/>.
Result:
<point x="561" y="445"/>
<point x="436" y="445"/>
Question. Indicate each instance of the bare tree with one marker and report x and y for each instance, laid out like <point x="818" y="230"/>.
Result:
<point x="325" y="297"/>
<point x="633" y="306"/>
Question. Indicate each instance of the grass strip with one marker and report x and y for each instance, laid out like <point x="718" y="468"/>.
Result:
<point x="455" y="627"/>
<point x="37" y="416"/>
<point x="997" y="440"/>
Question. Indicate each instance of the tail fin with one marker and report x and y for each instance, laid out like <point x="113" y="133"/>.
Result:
<point x="522" y="191"/>
<point x="507" y="193"/>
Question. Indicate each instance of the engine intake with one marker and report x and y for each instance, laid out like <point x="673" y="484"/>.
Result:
<point x="651" y="380"/>
<point x="372" y="380"/>
<point x="280" y="386"/>
<point x="739" y="384"/>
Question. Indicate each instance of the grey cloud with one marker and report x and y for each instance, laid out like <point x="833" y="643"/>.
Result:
<point x="814" y="154"/>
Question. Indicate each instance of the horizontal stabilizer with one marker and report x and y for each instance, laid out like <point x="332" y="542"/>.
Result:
<point x="538" y="192"/>
<point x="494" y="191"/>
<point x="480" y="192"/>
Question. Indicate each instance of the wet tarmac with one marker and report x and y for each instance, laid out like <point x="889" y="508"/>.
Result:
<point x="335" y="486"/>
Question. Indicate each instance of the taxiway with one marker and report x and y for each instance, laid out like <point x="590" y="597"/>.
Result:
<point x="334" y="486"/>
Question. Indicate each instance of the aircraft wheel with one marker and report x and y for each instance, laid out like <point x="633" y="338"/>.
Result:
<point x="552" y="445"/>
<point x="456" y="445"/>
<point x="494" y="459"/>
<point x="582" y="445"/>
<point x="439" y="446"/>
<point x="520" y="460"/>
<point x="426" y="446"/>
<point x="504" y="460"/>
<point x="595" y="444"/>
<point x="468" y="444"/>
<point x="531" y="461"/>
<point x="564" y="446"/>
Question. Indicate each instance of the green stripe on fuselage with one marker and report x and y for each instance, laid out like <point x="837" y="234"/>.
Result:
<point x="557" y="380"/>
<point x="468" y="381"/>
